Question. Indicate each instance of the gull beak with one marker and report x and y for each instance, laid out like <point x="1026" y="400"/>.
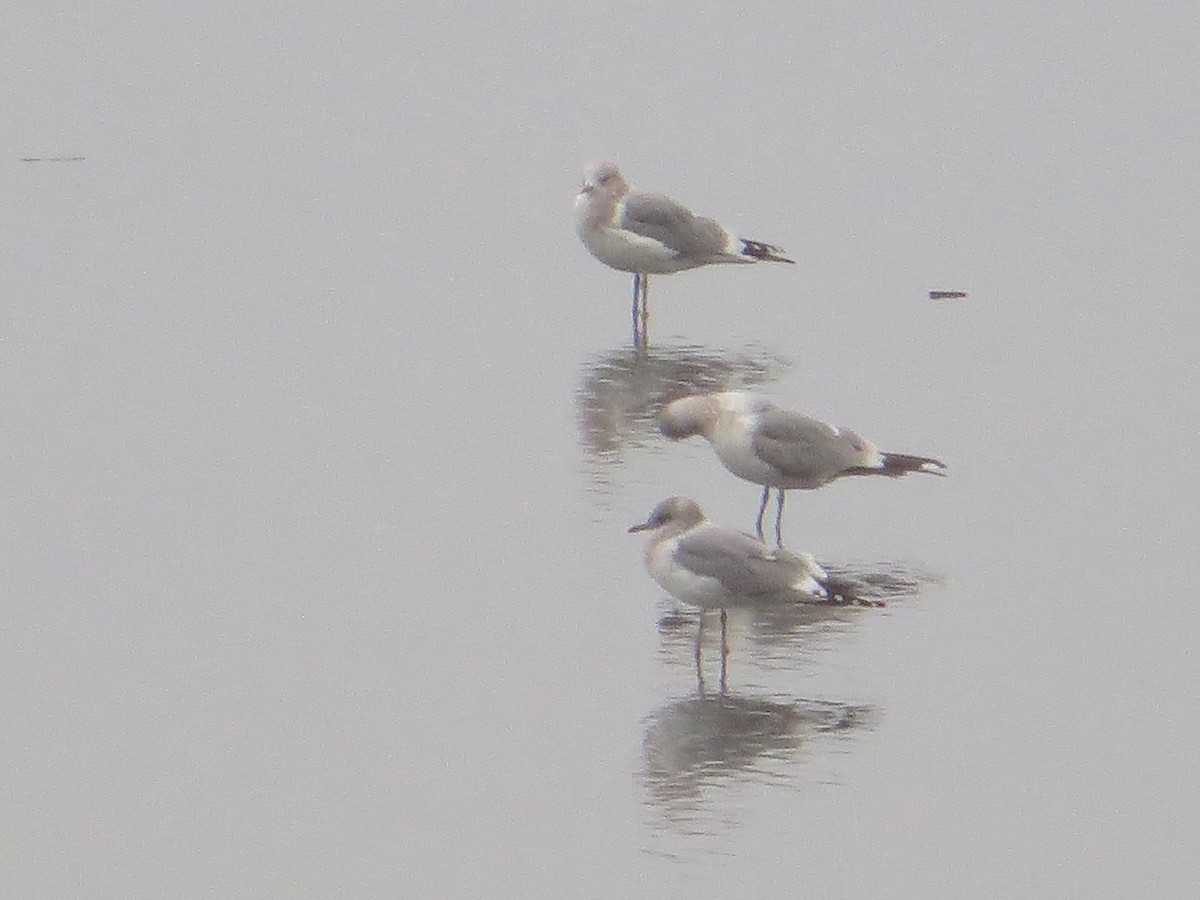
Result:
<point x="644" y="526"/>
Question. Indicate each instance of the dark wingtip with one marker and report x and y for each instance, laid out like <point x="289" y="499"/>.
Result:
<point x="939" y="470"/>
<point x="764" y="252"/>
<point x="843" y="592"/>
<point x="896" y="464"/>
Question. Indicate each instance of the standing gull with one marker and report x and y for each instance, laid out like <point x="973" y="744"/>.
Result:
<point x="778" y="448"/>
<point x="714" y="568"/>
<point x="711" y="567"/>
<point x="651" y="234"/>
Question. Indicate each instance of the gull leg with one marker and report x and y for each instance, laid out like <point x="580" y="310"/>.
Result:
<point x="637" y="301"/>
<point x="762" y="508"/>
<point x="779" y="519"/>
<point x="646" y="309"/>
<point x="699" y="667"/>
<point x="724" y="649"/>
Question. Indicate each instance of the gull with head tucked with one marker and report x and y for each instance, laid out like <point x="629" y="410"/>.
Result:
<point x="649" y="234"/>
<point x="778" y="448"/>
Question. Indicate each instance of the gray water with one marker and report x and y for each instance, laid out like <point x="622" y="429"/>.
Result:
<point x="322" y="433"/>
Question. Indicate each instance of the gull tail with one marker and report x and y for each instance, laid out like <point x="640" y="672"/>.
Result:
<point x="901" y="464"/>
<point x="763" y="252"/>
<point x="845" y="592"/>
<point x="896" y="464"/>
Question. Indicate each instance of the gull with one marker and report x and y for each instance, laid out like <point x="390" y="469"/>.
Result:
<point x="651" y="234"/>
<point x="712" y="567"/>
<point x="778" y="448"/>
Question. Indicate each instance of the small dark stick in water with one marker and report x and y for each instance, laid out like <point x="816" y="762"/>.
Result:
<point x="947" y="295"/>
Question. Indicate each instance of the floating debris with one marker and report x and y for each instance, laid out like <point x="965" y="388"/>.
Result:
<point x="52" y="158"/>
<point x="947" y="295"/>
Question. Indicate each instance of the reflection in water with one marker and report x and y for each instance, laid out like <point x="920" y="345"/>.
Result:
<point x="786" y="626"/>
<point x="695" y="742"/>
<point x="622" y="391"/>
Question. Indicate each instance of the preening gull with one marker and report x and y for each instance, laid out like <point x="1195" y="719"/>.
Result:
<point x="649" y="234"/>
<point x="778" y="448"/>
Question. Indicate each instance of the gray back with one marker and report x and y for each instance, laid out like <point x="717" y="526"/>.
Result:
<point x="807" y="449"/>
<point x="742" y="564"/>
<point x="673" y="224"/>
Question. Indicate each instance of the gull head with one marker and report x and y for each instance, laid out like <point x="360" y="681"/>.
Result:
<point x="604" y="178"/>
<point x="677" y="514"/>
<point x="703" y="413"/>
<point x="689" y="416"/>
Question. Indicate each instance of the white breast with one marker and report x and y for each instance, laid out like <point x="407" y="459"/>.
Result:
<point x="629" y="252"/>
<point x="732" y="444"/>
<point x="681" y="583"/>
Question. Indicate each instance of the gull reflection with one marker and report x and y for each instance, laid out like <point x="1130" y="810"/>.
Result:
<point x="621" y="391"/>
<point x="694" y="742"/>
<point x="786" y="628"/>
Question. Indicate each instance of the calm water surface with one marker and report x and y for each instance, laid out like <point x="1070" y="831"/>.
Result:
<point x="323" y="433"/>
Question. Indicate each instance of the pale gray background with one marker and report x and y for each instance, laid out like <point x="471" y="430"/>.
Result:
<point x="321" y="433"/>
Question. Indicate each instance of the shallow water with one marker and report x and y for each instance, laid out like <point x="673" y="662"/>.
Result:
<point x="319" y="476"/>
